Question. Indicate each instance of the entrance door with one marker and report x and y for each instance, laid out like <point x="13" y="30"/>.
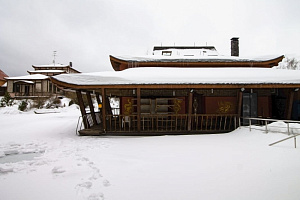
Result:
<point x="26" y="90"/>
<point x="249" y="106"/>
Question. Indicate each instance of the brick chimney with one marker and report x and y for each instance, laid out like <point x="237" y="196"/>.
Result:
<point x="70" y="64"/>
<point x="235" y="46"/>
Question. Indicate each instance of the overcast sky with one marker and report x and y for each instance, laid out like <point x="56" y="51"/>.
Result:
<point x="86" y="32"/>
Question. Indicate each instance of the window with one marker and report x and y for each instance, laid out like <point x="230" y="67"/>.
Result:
<point x="16" y="87"/>
<point x="166" y="53"/>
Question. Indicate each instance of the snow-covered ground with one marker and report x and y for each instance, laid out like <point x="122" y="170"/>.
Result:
<point x="51" y="162"/>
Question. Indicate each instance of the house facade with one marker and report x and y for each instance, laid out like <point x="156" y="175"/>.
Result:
<point x="183" y="90"/>
<point x="3" y="84"/>
<point x="38" y="83"/>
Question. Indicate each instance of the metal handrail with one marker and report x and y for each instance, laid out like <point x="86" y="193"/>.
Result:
<point x="266" y="122"/>
<point x="266" y="127"/>
<point x="80" y="117"/>
<point x="294" y="136"/>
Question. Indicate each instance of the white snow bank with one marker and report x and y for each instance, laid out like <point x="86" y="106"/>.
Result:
<point x="236" y="165"/>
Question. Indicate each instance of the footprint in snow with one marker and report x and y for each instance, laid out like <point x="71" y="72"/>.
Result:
<point x="86" y="185"/>
<point x="106" y="183"/>
<point x="99" y="196"/>
<point x="58" y="170"/>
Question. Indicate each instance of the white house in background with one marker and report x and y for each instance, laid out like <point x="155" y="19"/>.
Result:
<point x="38" y="83"/>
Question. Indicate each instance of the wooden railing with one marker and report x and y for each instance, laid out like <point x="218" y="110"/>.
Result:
<point x="32" y="94"/>
<point x="171" y="123"/>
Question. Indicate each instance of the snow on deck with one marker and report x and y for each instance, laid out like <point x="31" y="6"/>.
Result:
<point x="162" y="75"/>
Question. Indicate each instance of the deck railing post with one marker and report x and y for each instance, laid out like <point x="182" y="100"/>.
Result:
<point x="250" y="124"/>
<point x="235" y="122"/>
<point x="266" y="124"/>
<point x="288" y="128"/>
<point x="82" y="108"/>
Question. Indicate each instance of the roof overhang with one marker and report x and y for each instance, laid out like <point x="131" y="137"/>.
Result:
<point x="178" y="78"/>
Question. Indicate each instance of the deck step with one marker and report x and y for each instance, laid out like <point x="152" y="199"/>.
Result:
<point x="90" y="132"/>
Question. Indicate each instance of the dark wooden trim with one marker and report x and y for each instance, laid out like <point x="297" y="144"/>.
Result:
<point x="89" y="98"/>
<point x="239" y="103"/>
<point x="138" y="109"/>
<point x="103" y="108"/>
<point x="82" y="109"/>
<point x="98" y="99"/>
<point x="190" y="110"/>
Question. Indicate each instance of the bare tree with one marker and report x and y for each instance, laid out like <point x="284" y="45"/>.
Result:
<point x="292" y="63"/>
<point x="289" y="63"/>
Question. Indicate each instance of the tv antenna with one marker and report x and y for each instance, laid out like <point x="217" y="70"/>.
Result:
<point x="54" y="55"/>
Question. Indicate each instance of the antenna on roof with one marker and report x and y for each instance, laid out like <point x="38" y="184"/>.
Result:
<point x="54" y="54"/>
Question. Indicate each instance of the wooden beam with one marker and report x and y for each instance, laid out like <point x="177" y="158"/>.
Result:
<point x="82" y="109"/>
<point x="103" y="108"/>
<point x="239" y="103"/>
<point x="190" y="110"/>
<point x="138" y="109"/>
<point x="98" y="98"/>
<point x="89" y="98"/>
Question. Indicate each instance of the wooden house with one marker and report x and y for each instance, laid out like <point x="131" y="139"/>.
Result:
<point x="38" y="83"/>
<point x="198" y="91"/>
<point x="2" y="76"/>
<point x="3" y="84"/>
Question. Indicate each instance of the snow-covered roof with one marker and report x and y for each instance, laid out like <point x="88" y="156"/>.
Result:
<point x="51" y="65"/>
<point x="152" y="75"/>
<point x="47" y="71"/>
<point x="188" y="56"/>
<point x="28" y="77"/>
<point x="22" y="81"/>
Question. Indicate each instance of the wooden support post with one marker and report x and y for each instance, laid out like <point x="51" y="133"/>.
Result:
<point x="98" y="99"/>
<point x="239" y="103"/>
<point x="82" y="109"/>
<point x="103" y="108"/>
<point x="289" y="104"/>
<point x="190" y="110"/>
<point x="138" y="109"/>
<point x="89" y="98"/>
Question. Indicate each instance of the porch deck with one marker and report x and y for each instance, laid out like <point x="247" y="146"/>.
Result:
<point x="155" y="125"/>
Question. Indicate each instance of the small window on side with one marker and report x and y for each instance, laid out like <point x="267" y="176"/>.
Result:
<point x="166" y="53"/>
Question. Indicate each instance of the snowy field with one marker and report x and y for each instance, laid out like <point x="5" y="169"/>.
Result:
<point x="42" y="158"/>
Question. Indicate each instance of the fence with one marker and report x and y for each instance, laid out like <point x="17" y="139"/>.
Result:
<point x="171" y="123"/>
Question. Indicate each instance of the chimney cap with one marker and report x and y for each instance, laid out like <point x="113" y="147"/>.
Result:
<point x="235" y="38"/>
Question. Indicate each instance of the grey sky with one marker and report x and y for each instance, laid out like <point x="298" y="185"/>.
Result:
<point x="87" y="32"/>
